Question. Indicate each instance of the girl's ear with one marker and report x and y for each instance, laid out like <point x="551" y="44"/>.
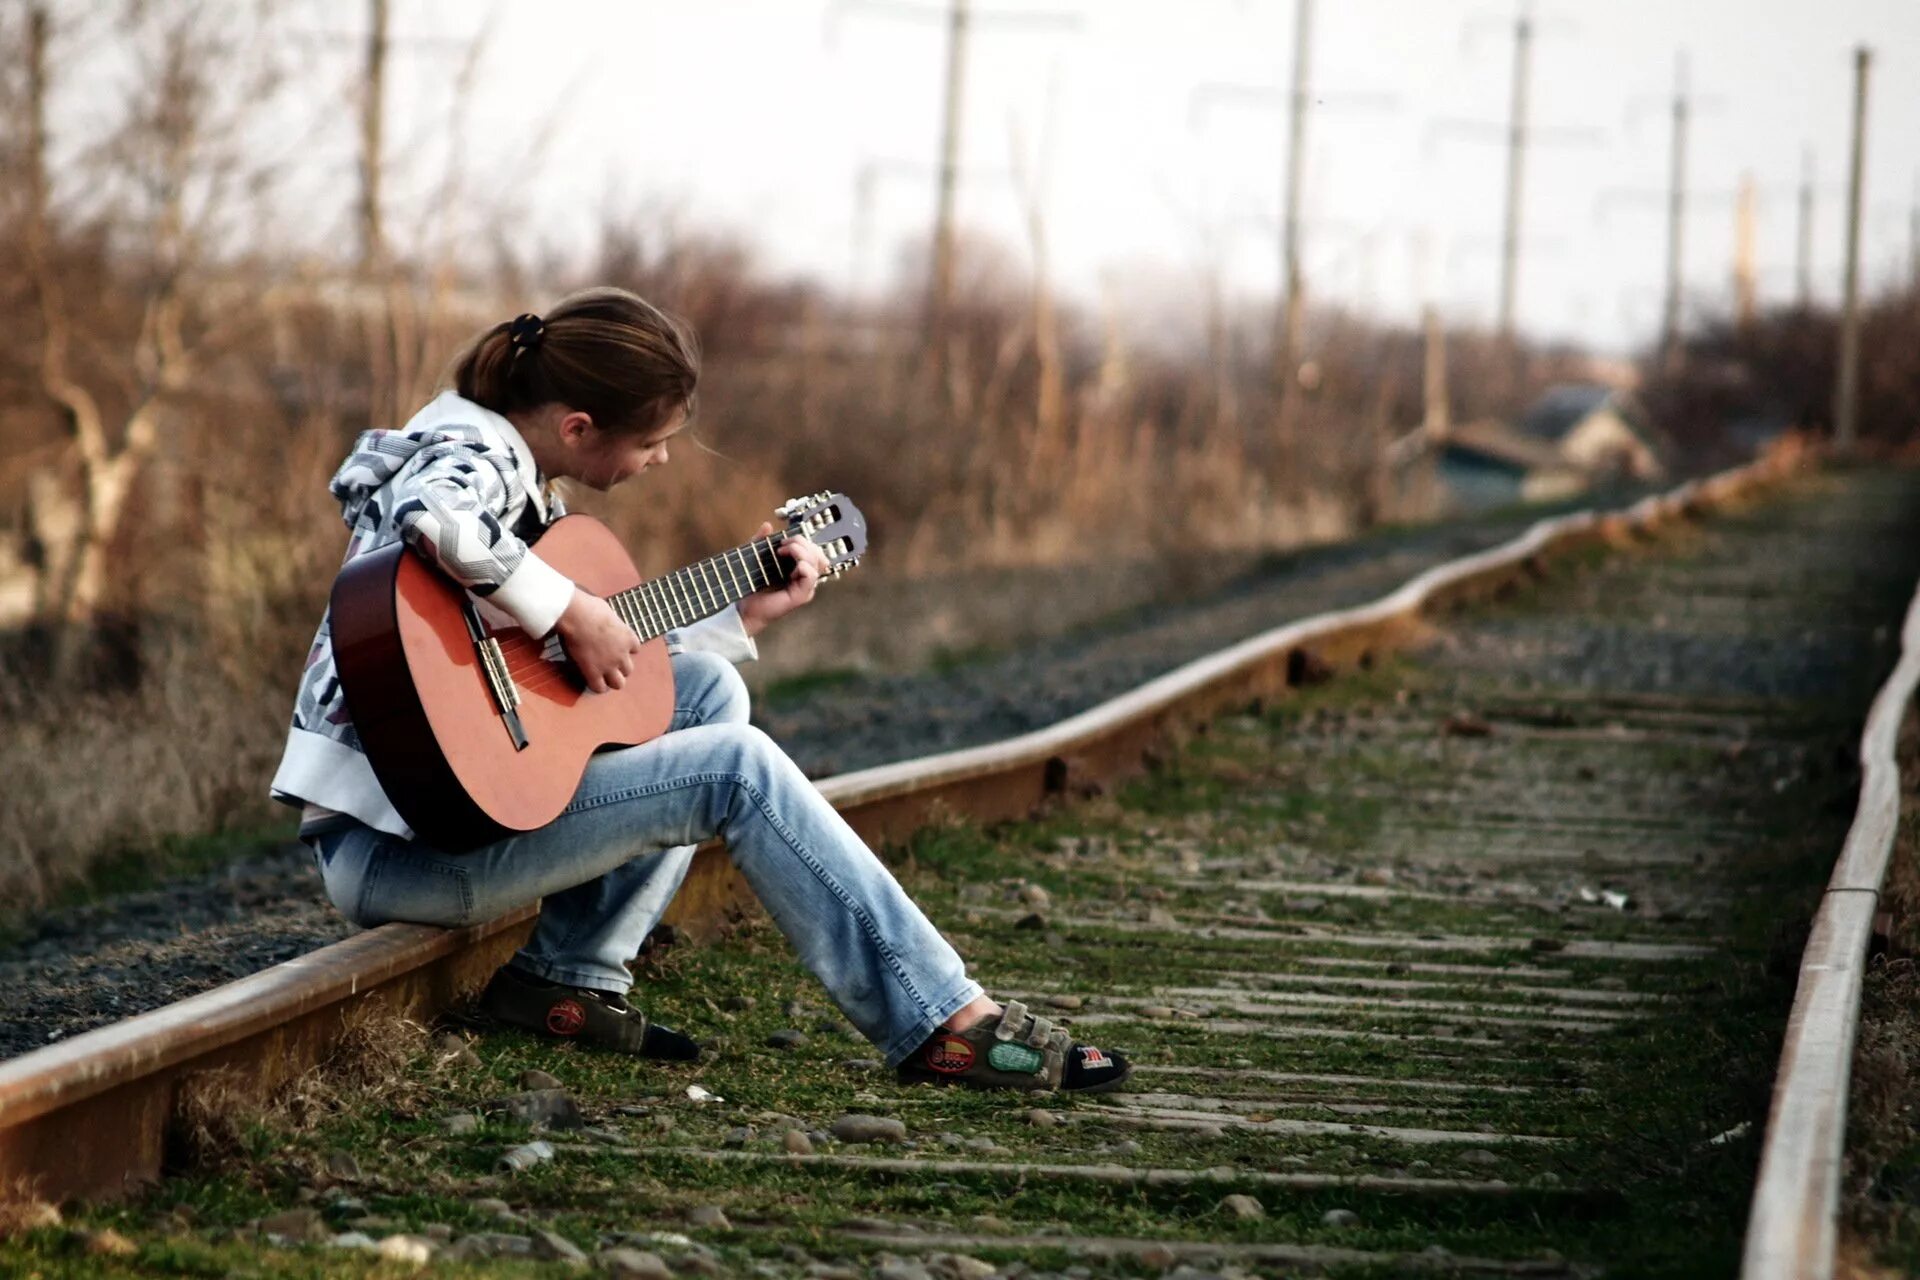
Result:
<point x="575" y="426"/>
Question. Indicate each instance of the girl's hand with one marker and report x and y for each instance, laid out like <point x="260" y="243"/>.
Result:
<point x="768" y="603"/>
<point x="599" y="643"/>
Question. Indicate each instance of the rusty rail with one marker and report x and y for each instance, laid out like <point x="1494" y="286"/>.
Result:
<point x="126" y="1079"/>
<point x="1793" y="1228"/>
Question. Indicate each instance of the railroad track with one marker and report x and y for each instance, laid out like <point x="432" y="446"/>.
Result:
<point x="1449" y="1007"/>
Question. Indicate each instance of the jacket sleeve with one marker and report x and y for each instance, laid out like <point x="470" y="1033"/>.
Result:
<point x="723" y="633"/>
<point x="452" y="505"/>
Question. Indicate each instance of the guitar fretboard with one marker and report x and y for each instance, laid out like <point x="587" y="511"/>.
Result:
<point x="685" y="596"/>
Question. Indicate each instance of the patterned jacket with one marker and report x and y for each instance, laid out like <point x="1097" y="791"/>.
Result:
<point x="458" y="483"/>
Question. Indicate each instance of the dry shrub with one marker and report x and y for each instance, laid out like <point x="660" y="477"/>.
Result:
<point x="97" y="773"/>
<point x="22" y="1209"/>
<point x="373" y="1064"/>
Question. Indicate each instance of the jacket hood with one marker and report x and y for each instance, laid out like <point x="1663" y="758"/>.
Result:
<point x="378" y="456"/>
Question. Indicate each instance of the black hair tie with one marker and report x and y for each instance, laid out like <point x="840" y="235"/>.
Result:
<point x="525" y="332"/>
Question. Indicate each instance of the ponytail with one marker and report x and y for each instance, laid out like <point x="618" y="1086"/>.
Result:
<point x="606" y="352"/>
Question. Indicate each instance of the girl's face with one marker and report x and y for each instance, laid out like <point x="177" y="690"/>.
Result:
<point x="602" y="459"/>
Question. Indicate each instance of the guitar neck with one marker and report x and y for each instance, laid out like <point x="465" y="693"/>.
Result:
<point x="704" y="588"/>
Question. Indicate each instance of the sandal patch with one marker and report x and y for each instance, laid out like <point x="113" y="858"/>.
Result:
<point x="566" y="1017"/>
<point x="949" y="1055"/>
<point x="1008" y="1056"/>
<point x="1091" y="1057"/>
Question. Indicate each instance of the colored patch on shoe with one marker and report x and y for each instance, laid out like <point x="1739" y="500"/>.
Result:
<point x="949" y="1055"/>
<point x="1093" y="1059"/>
<point x="566" y="1017"/>
<point x="1007" y="1056"/>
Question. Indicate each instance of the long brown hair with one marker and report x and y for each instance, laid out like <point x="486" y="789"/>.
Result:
<point x="606" y="352"/>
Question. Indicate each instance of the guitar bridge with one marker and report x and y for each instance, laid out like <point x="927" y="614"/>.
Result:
<point x="493" y="667"/>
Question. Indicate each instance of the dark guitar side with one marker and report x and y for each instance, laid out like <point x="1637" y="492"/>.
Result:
<point x="419" y="701"/>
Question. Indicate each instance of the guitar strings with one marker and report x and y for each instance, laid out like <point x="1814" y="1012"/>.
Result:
<point x="537" y="663"/>
<point x="530" y="671"/>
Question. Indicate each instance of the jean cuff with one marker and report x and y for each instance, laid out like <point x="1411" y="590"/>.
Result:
<point x="593" y="981"/>
<point x="903" y="1045"/>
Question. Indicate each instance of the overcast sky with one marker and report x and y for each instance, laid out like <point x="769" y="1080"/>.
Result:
<point x="756" y="117"/>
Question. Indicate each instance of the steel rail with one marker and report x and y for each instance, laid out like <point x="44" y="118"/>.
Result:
<point x="127" y="1079"/>
<point x="1793" y="1228"/>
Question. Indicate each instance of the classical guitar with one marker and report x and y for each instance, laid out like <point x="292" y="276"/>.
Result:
<point x="477" y="730"/>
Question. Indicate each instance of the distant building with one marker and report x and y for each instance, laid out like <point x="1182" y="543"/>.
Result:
<point x="1598" y="430"/>
<point x="1573" y="438"/>
<point x="1489" y="464"/>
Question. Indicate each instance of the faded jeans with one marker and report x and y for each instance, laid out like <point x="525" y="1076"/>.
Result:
<point x="606" y="868"/>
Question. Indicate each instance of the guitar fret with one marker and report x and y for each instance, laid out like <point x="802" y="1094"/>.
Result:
<point x="673" y="580"/>
<point x="649" y="596"/>
<point x="699" y="573"/>
<point x="719" y="588"/>
<point x="733" y="580"/>
<point x="740" y="555"/>
<point x="693" y="592"/>
<point x="767" y="545"/>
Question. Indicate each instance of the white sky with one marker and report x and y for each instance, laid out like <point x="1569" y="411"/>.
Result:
<point x="755" y="116"/>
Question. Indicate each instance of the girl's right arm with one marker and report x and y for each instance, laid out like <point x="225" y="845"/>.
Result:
<point x="451" y="505"/>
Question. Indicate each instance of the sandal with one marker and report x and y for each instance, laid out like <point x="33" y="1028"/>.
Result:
<point x="1017" y="1050"/>
<point x="603" y="1019"/>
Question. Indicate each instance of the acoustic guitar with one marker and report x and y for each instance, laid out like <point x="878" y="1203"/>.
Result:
<point x="477" y="730"/>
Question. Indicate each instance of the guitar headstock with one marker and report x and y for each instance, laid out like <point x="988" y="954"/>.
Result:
<point x="832" y="523"/>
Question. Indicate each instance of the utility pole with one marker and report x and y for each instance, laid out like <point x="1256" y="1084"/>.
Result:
<point x="1676" y="217"/>
<point x="1913" y="239"/>
<point x="1437" y="420"/>
<point x="1803" y="253"/>
<point x="1847" y="385"/>
<point x="373" y="244"/>
<point x="940" y="286"/>
<point x="1290" y="303"/>
<point x="1520" y="136"/>
<point x="960" y="24"/>
<point x="1745" y="269"/>
<point x="1516" y="160"/>
<point x="1286" y="354"/>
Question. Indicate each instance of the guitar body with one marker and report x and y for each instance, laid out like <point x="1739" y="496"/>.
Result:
<point x="433" y="728"/>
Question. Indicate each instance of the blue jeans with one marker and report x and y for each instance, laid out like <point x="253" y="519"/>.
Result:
<point x="608" y="865"/>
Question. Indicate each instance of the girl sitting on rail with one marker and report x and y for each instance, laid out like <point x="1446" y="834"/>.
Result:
<point x="594" y="393"/>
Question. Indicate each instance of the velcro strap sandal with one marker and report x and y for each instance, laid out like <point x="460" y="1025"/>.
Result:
<point x="1018" y="1050"/>
<point x="601" y="1019"/>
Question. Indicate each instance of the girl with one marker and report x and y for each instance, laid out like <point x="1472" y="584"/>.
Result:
<point x="595" y="392"/>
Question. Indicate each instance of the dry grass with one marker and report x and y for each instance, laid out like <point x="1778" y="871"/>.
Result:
<point x="92" y="775"/>
<point x="374" y="1064"/>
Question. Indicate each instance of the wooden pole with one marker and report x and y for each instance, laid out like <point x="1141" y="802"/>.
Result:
<point x="1286" y="355"/>
<point x="1516" y="161"/>
<point x="1438" y="418"/>
<point x="1676" y="216"/>
<point x="940" y="284"/>
<point x="372" y="122"/>
<point x="1803" y="256"/>
<point x="1847" y="385"/>
<point x="1745" y="269"/>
